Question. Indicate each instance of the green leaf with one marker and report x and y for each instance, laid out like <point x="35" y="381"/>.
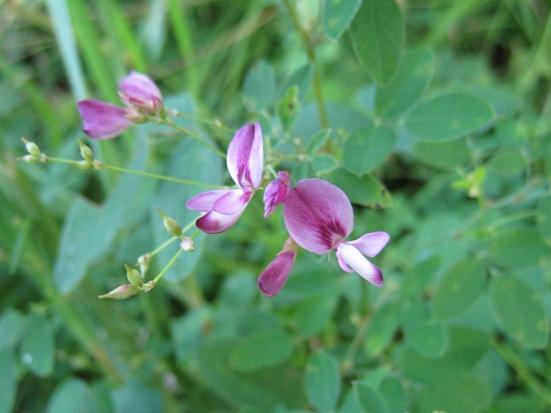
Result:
<point x="393" y="392"/>
<point x="447" y="155"/>
<point x="259" y="87"/>
<point x="12" y="326"/>
<point x="263" y="390"/>
<point x="73" y="395"/>
<point x="8" y="379"/>
<point x="459" y="288"/>
<point x="369" y="400"/>
<point x="264" y="348"/>
<point x="366" y="149"/>
<point x="520" y="247"/>
<point x="37" y="346"/>
<point x="519" y="310"/>
<point x="324" y="163"/>
<point x="322" y="381"/>
<point x="464" y="393"/>
<point x="405" y="88"/>
<point x="136" y="397"/>
<point x="381" y="328"/>
<point x="366" y="191"/>
<point x="377" y="34"/>
<point x="507" y="163"/>
<point x="448" y="116"/>
<point x="337" y="15"/>
<point x="318" y="140"/>
<point x="429" y="339"/>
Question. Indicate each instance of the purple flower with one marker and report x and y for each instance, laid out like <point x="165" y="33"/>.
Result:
<point x="319" y="218"/>
<point x="245" y="162"/>
<point x="102" y="120"/>
<point x="274" y="277"/>
<point x="276" y="192"/>
<point x="140" y="92"/>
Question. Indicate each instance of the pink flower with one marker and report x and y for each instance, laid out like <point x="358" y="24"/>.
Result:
<point x="102" y="120"/>
<point x="319" y="218"/>
<point x="140" y="92"/>
<point x="274" y="277"/>
<point x="276" y="192"/>
<point x="245" y="162"/>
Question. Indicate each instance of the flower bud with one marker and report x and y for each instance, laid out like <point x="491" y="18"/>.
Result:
<point x="29" y="158"/>
<point x="32" y="148"/>
<point x="86" y="152"/>
<point x="133" y="276"/>
<point x="84" y="165"/>
<point x="143" y="262"/>
<point x="171" y="225"/>
<point x="121" y="292"/>
<point x="148" y="286"/>
<point x="187" y="244"/>
<point x="138" y="91"/>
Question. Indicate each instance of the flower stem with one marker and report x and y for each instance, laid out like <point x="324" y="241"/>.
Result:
<point x="311" y="53"/>
<point x="140" y="173"/>
<point x="170" y="122"/>
<point x="167" y="266"/>
<point x="162" y="246"/>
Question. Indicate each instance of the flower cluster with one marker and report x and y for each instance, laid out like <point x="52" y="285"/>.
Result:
<point x="318" y="215"/>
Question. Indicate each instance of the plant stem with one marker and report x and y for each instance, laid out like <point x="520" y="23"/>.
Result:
<point x="524" y="373"/>
<point x="170" y="122"/>
<point x="167" y="266"/>
<point x="311" y="53"/>
<point x="140" y="173"/>
<point x="162" y="246"/>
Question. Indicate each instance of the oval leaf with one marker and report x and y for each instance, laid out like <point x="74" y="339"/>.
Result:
<point x="519" y="310"/>
<point x="260" y="87"/>
<point x="365" y="150"/>
<point x="369" y="400"/>
<point x="322" y="381"/>
<point x="37" y="347"/>
<point x="337" y="15"/>
<point x="377" y="34"/>
<point x="448" y="116"/>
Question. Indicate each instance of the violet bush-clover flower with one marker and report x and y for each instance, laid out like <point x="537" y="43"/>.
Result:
<point x="276" y="192"/>
<point x="245" y="162"/>
<point x="102" y="120"/>
<point x="274" y="277"/>
<point x="319" y="218"/>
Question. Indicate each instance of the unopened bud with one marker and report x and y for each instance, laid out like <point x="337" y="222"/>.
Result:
<point x="187" y="244"/>
<point x="171" y="225"/>
<point x="133" y="276"/>
<point x="29" y="158"/>
<point x="218" y="123"/>
<point x="86" y="152"/>
<point x="148" y="286"/>
<point x="121" y="292"/>
<point x="32" y="148"/>
<point x="143" y="262"/>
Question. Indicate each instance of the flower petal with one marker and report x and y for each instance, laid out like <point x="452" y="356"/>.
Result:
<point x="318" y="215"/>
<point x="139" y="91"/>
<point x="274" y="277"/>
<point x="232" y="202"/>
<point x="342" y="263"/>
<point x="371" y="243"/>
<point x="354" y="260"/>
<point x="245" y="159"/>
<point x="276" y="192"/>
<point x="101" y="120"/>
<point x="204" y="201"/>
<point x="213" y="222"/>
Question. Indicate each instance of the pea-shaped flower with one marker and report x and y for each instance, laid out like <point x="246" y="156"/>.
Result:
<point x="276" y="192"/>
<point x="245" y="162"/>
<point x="319" y="217"/>
<point x="102" y="120"/>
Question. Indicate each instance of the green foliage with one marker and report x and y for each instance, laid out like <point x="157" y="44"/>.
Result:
<point x="434" y="120"/>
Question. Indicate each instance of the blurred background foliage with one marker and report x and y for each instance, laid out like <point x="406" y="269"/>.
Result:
<point x="449" y="151"/>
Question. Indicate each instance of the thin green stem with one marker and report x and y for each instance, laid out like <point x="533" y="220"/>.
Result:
<point x="311" y="53"/>
<point x="524" y="373"/>
<point x="167" y="266"/>
<point x="170" y="122"/>
<point x="140" y="173"/>
<point x="162" y="246"/>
